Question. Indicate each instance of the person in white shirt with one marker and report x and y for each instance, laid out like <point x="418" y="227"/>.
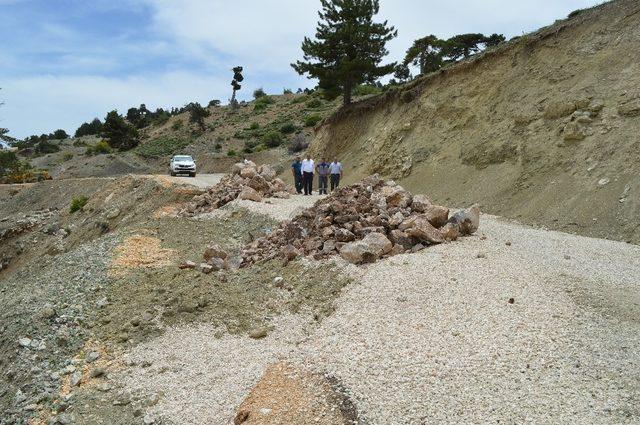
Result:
<point x="308" y="168"/>
<point x="335" y="168"/>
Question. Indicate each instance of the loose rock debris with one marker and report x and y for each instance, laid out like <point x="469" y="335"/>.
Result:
<point x="364" y="222"/>
<point x="246" y="181"/>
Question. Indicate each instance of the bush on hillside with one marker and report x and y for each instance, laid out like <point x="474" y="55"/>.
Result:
<point x="8" y="161"/>
<point x="77" y="203"/>
<point x="298" y="143"/>
<point x="258" y="93"/>
<point x="67" y="156"/>
<point x="162" y="146"/>
<point x="250" y="145"/>
<point x="262" y="102"/>
<point x="119" y="134"/>
<point x="102" y="147"/>
<point x="314" y="103"/>
<point x="365" y="89"/>
<point x="254" y="126"/>
<point x="60" y="135"/>
<point x="288" y="128"/>
<point x="272" y="139"/>
<point x="177" y="125"/>
<point x="45" y="147"/>
<point x="287" y="91"/>
<point x="231" y="152"/>
<point x="311" y="120"/>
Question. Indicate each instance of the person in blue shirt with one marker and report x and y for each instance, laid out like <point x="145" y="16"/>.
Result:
<point x="296" y="170"/>
<point x="323" y="176"/>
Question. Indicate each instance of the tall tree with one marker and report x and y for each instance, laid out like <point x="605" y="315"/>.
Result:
<point x="119" y="133"/>
<point x="462" y="46"/>
<point x="197" y="114"/>
<point x="235" y="83"/>
<point x="494" y="40"/>
<point x="426" y="54"/>
<point x="348" y="49"/>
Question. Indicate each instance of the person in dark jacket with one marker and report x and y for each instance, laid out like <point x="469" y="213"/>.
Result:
<point x="296" y="170"/>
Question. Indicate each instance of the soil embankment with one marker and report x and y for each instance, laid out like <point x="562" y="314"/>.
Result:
<point x="544" y="129"/>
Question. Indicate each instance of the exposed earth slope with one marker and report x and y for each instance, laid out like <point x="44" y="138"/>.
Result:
<point x="544" y="129"/>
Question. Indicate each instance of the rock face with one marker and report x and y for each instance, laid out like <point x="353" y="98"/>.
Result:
<point x="246" y="181"/>
<point x="362" y="223"/>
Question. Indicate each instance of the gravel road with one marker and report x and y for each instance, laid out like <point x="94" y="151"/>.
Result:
<point x="513" y="325"/>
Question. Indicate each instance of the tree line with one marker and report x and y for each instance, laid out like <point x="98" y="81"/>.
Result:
<point x="349" y="48"/>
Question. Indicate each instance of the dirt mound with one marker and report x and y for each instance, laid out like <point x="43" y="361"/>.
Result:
<point x="247" y="181"/>
<point x="290" y="395"/>
<point x="542" y="129"/>
<point x="363" y="222"/>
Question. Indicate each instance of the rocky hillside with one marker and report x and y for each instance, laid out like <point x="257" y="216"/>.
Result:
<point x="543" y="129"/>
<point x="265" y="130"/>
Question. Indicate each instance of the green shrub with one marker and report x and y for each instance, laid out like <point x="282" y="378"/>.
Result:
<point x="365" y="89"/>
<point x="298" y="143"/>
<point x="231" y="152"/>
<point x="67" y="156"/>
<point x="272" y="139"/>
<point x="575" y="13"/>
<point x="77" y="203"/>
<point x="257" y="94"/>
<point x="250" y="145"/>
<point x="177" y="125"/>
<point x="102" y="147"/>
<point x="288" y="128"/>
<point x="407" y="96"/>
<point x="314" y="103"/>
<point x="45" y="147"/>
<point x="262" y="102"/>
<point x="119" y="133"/>
<point x="162" y="146"/>
<point x="311" y="120"/>
<point x="287" y="91"/>
<point x="79" y="143"/>
<point x="299" y="99"/>
<point x="217" y="147"/>
<point x="254" y="126"/>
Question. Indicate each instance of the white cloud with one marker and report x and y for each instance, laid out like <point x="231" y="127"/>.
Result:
<point x="202" y="39"/>
<point x="41" y="104"/>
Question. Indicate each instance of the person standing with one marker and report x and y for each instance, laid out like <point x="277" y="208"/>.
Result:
<point x="323" y="177"/>
<point x="307" y="174"/>
<point x="296" y="170"/>
<point x="335" y="169"/>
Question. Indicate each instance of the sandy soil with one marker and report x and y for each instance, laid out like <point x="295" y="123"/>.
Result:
<point x="514" y="325"/>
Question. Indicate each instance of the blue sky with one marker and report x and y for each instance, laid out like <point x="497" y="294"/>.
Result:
<point x="63" y="62"/>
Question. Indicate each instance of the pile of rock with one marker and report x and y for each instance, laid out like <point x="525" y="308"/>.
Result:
<point x="246" y="181"/>
<point x="364" y="222"/>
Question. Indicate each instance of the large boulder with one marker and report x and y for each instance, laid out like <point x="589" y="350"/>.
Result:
<point x="248" y="172"/>
<point x="214" y="251"/>
<point x="401" y="238"/>
<point x="358" y="253"/>
<point x="420" y="203"/>
<point x="378" y="243"/>
<point x="396" y="196"/>
<point x="259" y="184"/>
<point x="267" y="172"/>
<point x="467" y="220"/>
<point x="250" y="194"/>
<point x="559" y="109"/>
<point x="424" y="231"/>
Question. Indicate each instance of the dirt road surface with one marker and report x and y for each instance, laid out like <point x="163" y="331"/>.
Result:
<point x="514" y="324"/>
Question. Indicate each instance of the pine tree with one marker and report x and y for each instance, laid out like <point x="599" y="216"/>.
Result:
<point x="348" y="49"/>
<point x="119" y="133"/>
<point x="462" y="46"/>
<point x="426" y="54"/>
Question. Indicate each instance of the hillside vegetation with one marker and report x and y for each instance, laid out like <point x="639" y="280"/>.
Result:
<point x="268" y="129"/>
<point x="543" y="129"/>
